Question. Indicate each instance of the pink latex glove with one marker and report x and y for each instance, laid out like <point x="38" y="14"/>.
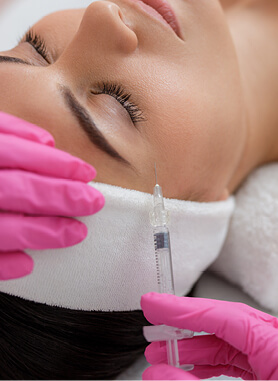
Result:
<point x="40" y="188"/>
<point x="244" y="341"/>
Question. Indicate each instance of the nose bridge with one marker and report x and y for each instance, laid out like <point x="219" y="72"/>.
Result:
<point x="104" y="30"/>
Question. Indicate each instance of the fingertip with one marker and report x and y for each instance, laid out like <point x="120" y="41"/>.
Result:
<point x="99" y="201"/>
<point x="148" y="353"/>
<point x="147" y="374"/>
<point x="82" y="232"/>
<point x="90" y="173"/>
<point x="75" y="168"/>
<point x="27" y="265"/>
<point x="14" y="125"/>
<point x="15" y="265"/>
<point x="77" y="233"/>
<point x="155" y="353"/>
<point x="149" y="298"/>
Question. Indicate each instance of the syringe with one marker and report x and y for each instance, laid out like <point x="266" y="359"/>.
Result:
<point x="159" y="218"/>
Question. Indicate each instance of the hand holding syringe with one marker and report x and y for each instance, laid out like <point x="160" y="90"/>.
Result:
<point x="159" y="218"/>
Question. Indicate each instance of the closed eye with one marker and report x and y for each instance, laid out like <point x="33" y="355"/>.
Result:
<point x="38" y="44"/>
<point x="117" y="91"/>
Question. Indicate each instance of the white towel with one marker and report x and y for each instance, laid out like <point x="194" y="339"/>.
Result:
<point x="115" y="265"/>
<point x="249" y="257"/>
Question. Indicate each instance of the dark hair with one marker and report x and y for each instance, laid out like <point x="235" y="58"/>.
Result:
<point x="38" y="341"/>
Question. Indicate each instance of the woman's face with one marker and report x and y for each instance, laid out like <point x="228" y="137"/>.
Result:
<point x="184" y="112"/>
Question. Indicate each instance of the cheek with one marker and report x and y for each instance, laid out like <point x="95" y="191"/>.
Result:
<point x="208" y="40"/>
<point x="197" y="141"/>
<point x="199" y="17"/>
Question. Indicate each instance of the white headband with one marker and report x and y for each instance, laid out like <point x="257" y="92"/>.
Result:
<point x="115" y="265"/>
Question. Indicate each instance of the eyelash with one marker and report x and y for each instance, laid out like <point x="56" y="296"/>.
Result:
<point x="118" y="92"/>
<point x="38" y="44"/>
<point x="114" y="90"/>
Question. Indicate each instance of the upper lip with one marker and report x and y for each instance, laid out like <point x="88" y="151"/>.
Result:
<point x="163" y="8"/>
<point x="166" y="11"/>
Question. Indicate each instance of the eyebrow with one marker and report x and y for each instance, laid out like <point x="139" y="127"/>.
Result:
<point x="89" y="126"/>
<point x="82" y="115"/>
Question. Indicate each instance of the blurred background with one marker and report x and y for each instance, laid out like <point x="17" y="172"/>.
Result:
<point x="16" y="16"/>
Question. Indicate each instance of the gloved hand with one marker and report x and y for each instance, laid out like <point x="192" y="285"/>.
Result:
<point x="40" y="187"/>
<point x="244" y="341"/>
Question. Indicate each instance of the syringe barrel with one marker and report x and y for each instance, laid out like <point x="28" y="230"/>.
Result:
<point x="173" y="353"/>
<point x="163" y="260"/>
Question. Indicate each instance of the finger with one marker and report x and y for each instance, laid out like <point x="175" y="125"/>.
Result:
<point x="33" y="157"/>
<point x="201" y="350"/>
<point x="229" y="321"/>
<point x="205" y="372"/>
<point x="20" y="232"/>
<point x="29" y="193"/>
<point x="166" y="372"/>
<point x="15" y="265"/>
<point x="12" y="125"/>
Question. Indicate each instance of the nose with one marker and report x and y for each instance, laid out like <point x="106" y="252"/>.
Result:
<point x="104" y="29"/>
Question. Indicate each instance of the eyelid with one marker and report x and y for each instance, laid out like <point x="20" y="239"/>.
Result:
<point x="38" y="43"/>
<point x="124" y="98"/>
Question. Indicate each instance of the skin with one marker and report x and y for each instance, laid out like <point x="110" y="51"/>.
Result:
<point x="205" y="126"/>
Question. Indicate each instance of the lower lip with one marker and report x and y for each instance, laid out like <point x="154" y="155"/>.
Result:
<point x="162" y="11"/>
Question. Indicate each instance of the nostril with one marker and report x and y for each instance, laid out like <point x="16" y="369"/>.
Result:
<point x="106" y="22"/>
<point x="123" y="18"/>
<point x="120" y="13"/>
<point x="130" y="37"/>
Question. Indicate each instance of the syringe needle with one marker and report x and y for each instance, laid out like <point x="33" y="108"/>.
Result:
<point x="155" y="173"/>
